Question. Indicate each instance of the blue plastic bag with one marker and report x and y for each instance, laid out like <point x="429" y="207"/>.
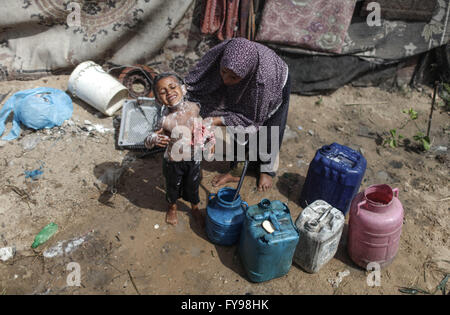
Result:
<point x="33" y="174"/>
<point x="37" y="109"/>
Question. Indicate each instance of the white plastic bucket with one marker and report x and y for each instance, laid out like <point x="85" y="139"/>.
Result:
<point x="90" y="83"/>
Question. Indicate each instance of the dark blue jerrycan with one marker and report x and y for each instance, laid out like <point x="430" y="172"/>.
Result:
<point x="224" y="217"/>
<point x="334" y="175"/>
<point x="268" y="241"/>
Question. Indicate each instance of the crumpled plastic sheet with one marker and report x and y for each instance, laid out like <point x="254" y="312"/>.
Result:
<point x="37" y="109"/>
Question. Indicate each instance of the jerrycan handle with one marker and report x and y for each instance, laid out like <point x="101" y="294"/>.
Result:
<point x="395" y="191"/>
<point x="275" y="222"/>
<point x="360" y="204"/>
<point x="276" y="226"/>
<point x="350" y="156"/>
<point x="245" y="206"/>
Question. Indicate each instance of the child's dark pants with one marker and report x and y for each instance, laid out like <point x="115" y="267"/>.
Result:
<point x="182" y="180"/>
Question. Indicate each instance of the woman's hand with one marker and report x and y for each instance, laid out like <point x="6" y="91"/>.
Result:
<point x="215" y="121"/>
<point x="157" y="139"/>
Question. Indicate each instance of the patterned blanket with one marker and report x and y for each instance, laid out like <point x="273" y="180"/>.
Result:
<point x="313" y="24"/>
<point x="393" y="40"/>
<point x="40" y="37"/>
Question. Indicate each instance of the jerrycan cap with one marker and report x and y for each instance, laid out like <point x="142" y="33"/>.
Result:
<point x="265" y="209"/>
<point x="314" y="224"/>
<point x="265" y="203"/>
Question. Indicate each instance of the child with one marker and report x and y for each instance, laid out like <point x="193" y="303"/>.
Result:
<point x="182" y="177"/>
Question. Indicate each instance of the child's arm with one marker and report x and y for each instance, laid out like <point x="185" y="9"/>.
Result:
<point x="218" y="121"/>
<point x="158" y="139"/>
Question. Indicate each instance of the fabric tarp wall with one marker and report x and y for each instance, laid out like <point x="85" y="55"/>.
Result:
<point x="35" y="41"/>
<point x="370" y="55"/>
<point x="35" y="38"/>
<point x="392" y="40"/>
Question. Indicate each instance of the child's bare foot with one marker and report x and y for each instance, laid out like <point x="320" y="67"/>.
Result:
<point x="265" y="182"/>
<point x="223" y="179"/>
<point x="198" y="216"/>
<point x="171" y="215"/>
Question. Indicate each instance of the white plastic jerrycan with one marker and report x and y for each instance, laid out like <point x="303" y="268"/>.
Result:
<point x="320" y="227"/>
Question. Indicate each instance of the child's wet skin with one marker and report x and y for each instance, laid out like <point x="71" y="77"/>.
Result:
<point x="171" y="215"/>
<point x="169" y="92"/>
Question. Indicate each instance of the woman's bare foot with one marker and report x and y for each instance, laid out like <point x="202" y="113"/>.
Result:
<point x="265" y="182"/>
<point x="223" y="179"/>
<point x="171" y="215"/>
<point x="198" y="216"/>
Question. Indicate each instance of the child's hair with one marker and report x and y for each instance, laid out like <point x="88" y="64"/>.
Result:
<point x="162" y="76"/>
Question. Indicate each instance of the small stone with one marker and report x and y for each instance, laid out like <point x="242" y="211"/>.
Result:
<point x="437" y="149"/>
<point x="314" y="120"/>
<point x="341" y="275"/>
<point x="156" y="226"/>
<point x="7" y="253"/>
<point x="311" y="133"/>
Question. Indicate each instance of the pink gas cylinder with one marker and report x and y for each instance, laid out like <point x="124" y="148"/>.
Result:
<point x="375" y="226"/>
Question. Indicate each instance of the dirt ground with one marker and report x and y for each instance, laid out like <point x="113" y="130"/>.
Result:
<point x="126" y="248"/>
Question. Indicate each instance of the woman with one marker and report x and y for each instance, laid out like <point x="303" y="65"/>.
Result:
<point x="243" y="83"/>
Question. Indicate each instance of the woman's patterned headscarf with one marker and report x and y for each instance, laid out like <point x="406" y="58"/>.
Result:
<point x="249" y="102"/>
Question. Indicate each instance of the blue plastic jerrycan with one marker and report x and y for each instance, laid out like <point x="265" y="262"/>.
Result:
<point x="268" y="241"/>
<point x="334" y="175"/>
<point x="224" y="217"/>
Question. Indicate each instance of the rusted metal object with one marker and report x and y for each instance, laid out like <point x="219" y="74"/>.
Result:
<point x="138" y="80"/>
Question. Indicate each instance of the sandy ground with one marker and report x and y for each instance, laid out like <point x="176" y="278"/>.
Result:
<point x="120" y="241"/>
